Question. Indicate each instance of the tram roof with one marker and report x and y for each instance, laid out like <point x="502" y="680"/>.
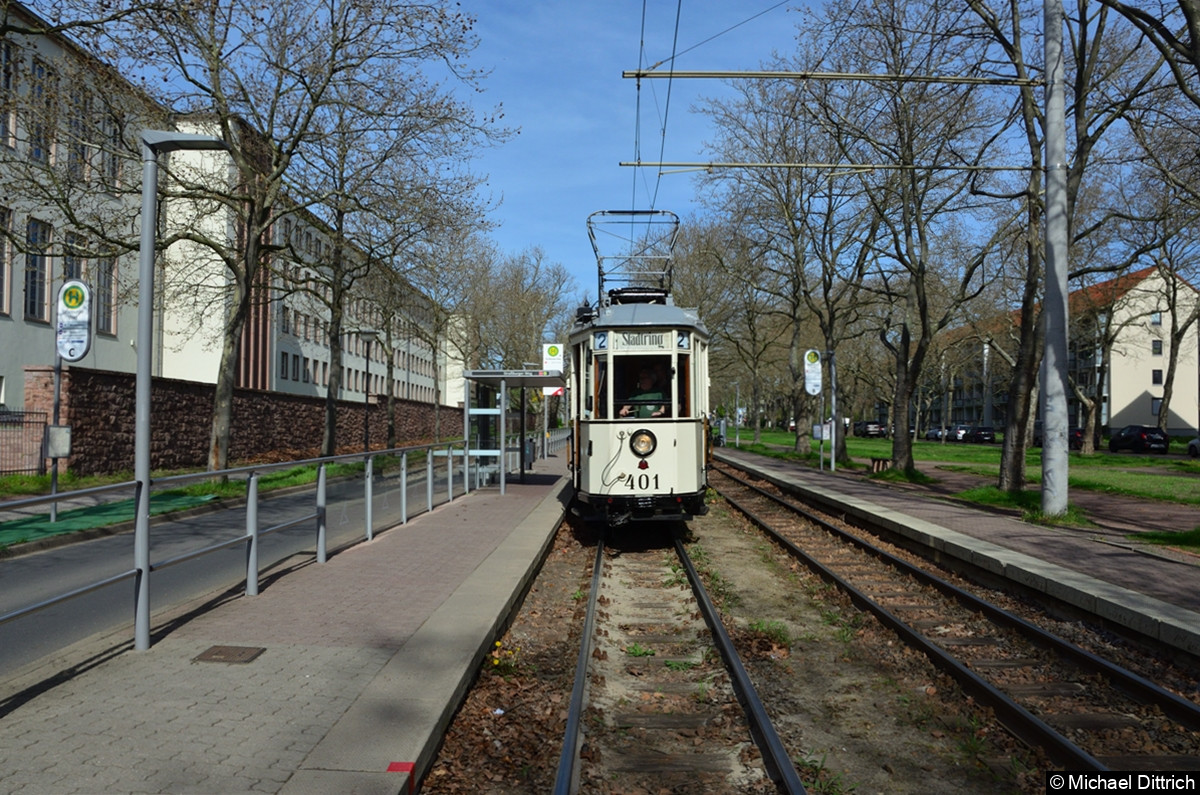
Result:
<point x="651" y="315"/>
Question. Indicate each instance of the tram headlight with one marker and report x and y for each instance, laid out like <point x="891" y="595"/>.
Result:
<point x="642" y="443"/>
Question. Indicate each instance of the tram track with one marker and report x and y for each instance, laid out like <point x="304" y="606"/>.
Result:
<point x="1081" y="710"/>
<point x="658" y="703"/>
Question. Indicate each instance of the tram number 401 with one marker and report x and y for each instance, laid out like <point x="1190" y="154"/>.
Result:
<point x="642" y="482"/>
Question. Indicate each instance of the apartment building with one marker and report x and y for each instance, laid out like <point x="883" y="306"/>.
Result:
<point x="70" y="195"/>
<point x="1122" y="337"/>
<point x="1123" y="331"/>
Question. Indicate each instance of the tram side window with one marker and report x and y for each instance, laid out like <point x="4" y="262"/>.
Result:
<point x="644" y="389"/>
<point x="685" y="389"/>
<point x="600" y="397"/>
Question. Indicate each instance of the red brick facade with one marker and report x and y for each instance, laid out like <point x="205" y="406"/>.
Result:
<point x="267" y="426"/>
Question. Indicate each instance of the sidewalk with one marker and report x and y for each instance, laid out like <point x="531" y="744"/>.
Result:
<point x="362" y="661"/>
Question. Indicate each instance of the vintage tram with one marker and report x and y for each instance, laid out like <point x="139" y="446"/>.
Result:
<point x="639" y="387"/>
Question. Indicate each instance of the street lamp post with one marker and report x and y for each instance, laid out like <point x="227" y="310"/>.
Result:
<point x="154" y="143"/>
<point x="369" y="336"/>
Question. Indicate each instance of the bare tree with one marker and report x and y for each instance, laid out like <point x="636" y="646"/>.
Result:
<point x="715" y="272"/>
<point x="262" y="77"/>
<point x="930" y="131"/>
<point x="1174" y="30"/>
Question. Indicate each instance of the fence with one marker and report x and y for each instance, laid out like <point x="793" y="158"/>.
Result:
<point x="21" y="436"/>
<point x="438" y="469"/>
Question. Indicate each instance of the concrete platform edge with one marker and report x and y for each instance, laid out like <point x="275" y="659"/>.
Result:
<point x="402" y="714"/>
<point x="1169" y="624"/>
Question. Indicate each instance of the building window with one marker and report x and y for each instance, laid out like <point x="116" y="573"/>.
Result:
<point x="73" y="260"/>
<point x="106" y="294"/>
<point x="283" y="320"/>
<point x="109" y="166"/>
<point x="1156" y="347"/>
<point x="79" y="113"/>
<point x="41" y="121"/>
<point x="1155" y="406"/>
<point x="37" y="270"/>
<point x="5" y="261"/>
<point x="283" y="369"/>
<point x="1156" y="377"/>
<point x="295" y="367"/>
<point x="304" y="372"/>
<point x="8" y="94"/>
<point x="1156" y="318"/>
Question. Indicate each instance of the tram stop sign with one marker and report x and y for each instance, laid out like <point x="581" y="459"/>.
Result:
<point x="74" y="330"/>
<point x="812" y="372"/>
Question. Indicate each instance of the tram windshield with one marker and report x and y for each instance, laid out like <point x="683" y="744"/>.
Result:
<point x="644" y="388"/>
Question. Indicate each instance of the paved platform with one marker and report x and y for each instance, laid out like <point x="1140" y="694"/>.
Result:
<point x="1099" y="569"/>
<point x="364" y="660"/>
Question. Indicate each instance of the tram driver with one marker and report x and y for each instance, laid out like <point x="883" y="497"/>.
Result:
<point x="643" y="400"/>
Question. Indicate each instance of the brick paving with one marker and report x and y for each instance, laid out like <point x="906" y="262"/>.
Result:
<point x="158" y="721"/>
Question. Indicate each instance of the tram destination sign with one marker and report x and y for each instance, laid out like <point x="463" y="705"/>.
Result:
<point x="643" y="341"/>
<point x="73" y="336"/>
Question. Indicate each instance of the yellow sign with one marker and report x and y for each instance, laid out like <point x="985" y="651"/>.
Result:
<point x="73" y="297"/>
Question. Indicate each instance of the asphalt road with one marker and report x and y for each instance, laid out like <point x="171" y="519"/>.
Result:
<point x="33" y="578"/>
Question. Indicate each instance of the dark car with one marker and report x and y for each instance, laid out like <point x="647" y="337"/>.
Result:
<point x="868" y="428"/>
<point x="1139" y="439"/>
<point x="1194" y="447"/>
<point x="985" y="434"/>
<point x="933" y="434"/>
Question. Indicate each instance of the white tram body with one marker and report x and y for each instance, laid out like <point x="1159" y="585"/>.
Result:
<point x="637" y="457"/>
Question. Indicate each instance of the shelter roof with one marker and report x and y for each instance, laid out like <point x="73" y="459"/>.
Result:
<point x="517" y="378"/>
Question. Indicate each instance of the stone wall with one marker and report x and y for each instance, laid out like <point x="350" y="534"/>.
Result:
<point x="267" y="426"/>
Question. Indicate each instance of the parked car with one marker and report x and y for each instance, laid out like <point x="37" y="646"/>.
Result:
<point x="933" y="434"/>
<point x="980" y="434"/>
<point x="1194" y="447"/>
<point x="868" y="428"/>
<point x="1139" y="439"/>
<point x="957" y="433"/>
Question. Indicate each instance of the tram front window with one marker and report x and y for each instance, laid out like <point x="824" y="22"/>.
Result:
<point x="646" y="391"/>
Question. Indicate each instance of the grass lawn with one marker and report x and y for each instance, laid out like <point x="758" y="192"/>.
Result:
<point x="1148" y="477"/>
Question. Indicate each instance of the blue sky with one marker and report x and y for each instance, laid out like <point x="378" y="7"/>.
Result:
<point x="557" y="71"/>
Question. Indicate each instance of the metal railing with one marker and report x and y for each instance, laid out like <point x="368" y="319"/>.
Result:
<point x="451" y="452"/>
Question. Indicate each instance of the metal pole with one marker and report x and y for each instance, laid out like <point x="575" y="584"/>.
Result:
<point x="1055" y="456"/>
<point x="737" y="415"/>
<point x="367" y="400"/>
<point x="466" y="424"/>
<point x="322" y="511"/>
<point x="821" y="440"/>
<point x="429" y="479"/>
<point x="153" y="142"/>
<point x="835" y="425"/>
<point x="141" y="423"/>
<point x="252" y="532"/>
<point x="404" y="487"/>
<point x="57" y="411"/>
<point x="502" y="403"/>
<point x="368" y="494"/>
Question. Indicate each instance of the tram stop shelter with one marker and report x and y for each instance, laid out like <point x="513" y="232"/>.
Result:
<point x="486" y="426"/>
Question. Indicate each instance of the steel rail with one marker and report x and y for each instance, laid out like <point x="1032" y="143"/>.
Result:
<point x="1022" y="722"/>
<point x="1138" y="687"/>
<point x="776" y="758"/>
<point x="565" y="779"/>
